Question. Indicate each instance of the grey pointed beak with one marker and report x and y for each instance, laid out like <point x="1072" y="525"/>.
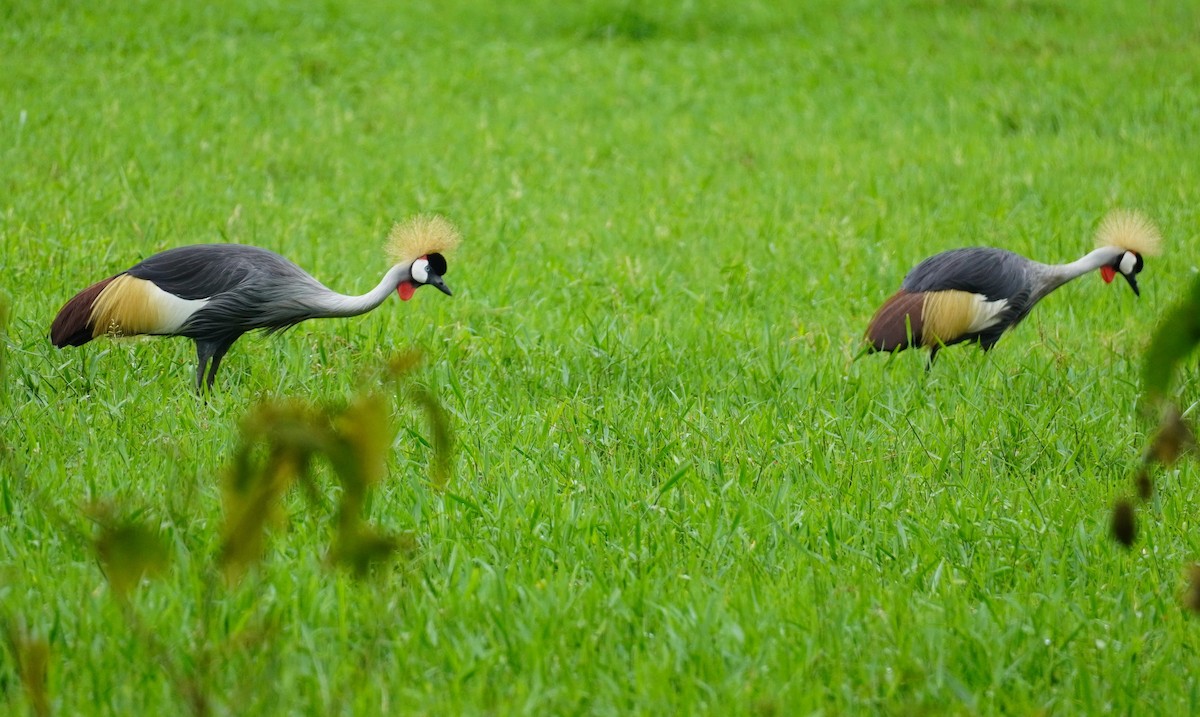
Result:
<point x="1132" y="284"/>
<point x="440" y="283"/>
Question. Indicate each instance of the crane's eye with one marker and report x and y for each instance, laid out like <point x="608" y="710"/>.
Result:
<point x="1129" y="263"/>
<point x="420" y="271"/>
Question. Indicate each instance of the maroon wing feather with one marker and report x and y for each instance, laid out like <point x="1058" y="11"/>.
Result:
<point x="72" y="326"/>
<point x="898" y="320"/>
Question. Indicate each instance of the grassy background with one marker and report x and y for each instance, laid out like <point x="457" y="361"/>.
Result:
<point x="676" y="491"/>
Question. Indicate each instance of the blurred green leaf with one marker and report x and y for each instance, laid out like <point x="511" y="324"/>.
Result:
<point x="253" y="487"/>
<point x="361" y="549"/>
<point x="443" y="440"/>
<point x="398" y="370"/>
<point x="1124" y="523"/>
<point x="1172" y="439"/>
<point x="359" y="456"/>
<point x="279" y="443"/>
<point x="1175" y="338"/>
<point x="401" y="365"/>
<point x="1145" y="486"/>
<point x="363" y="438"/>
<point x="32" y="655"/>
<point x="3" y="341"/>
<point x="128" y="550"/>
<point x="1191" y="594"/>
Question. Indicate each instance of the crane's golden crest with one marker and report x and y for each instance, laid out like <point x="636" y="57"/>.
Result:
<point x="1131" y="231"/>
<point x="420" y="236"/>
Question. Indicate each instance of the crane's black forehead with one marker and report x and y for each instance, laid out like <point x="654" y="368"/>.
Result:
<point x="437" y="264"/>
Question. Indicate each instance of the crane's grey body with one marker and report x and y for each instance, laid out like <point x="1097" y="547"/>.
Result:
<point x="975" y="294"/>
<point x="215" y="293"/>
<point x="233" y="278"/>
<point x="997" y="275"/>
<point x="246" y="288"/>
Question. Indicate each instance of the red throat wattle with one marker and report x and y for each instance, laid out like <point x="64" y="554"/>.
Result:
<point x="405" y="290"/>
<point x="1107" y="273"/>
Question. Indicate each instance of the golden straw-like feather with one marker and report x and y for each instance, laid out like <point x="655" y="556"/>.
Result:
<point x="946" y="315"/>
<point x="421" y="235"/>
<point x="1129" y="230"/>
<point x="126" y="307"/>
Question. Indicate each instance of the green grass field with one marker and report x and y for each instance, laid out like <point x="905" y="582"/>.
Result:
<point x="676" y="491"/>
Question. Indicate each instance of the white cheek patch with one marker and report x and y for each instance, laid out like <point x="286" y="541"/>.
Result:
<point x="420" y="271"/>
<point x="1128" y="261"/>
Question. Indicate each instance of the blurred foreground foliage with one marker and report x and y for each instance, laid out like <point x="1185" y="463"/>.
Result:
<point x="31" y="657"/>
<point x="1173" y="342"/>
<point x="128" y="550"/>
<point x="3" y="342"/>
<point x="28" y="654"/>
<point x="282" y="442"/>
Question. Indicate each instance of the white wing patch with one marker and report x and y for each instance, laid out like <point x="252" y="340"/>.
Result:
<point x="986" y="314"/>
<point x="174" y="310"/>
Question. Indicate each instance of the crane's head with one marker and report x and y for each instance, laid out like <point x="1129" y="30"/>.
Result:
<point x="421" y="244"/>
<point x="1134" y="235"/>
<point x="1129" y="265"/>
<point x="428" y="269"/>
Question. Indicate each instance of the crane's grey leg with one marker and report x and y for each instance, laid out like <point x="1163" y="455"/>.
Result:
<point x="216" y="362"/>
<point x="207" y="351"/>
<point x="212" y="351"/>
<point x="202" y="355"/>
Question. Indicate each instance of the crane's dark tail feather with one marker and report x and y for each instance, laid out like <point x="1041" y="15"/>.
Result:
<point x="898" y="323"/>
<point x="73" y="324"/>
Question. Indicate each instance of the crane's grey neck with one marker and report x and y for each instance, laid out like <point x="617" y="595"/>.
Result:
<point x="1048" y="277"/>
<point x="330" y="304"/>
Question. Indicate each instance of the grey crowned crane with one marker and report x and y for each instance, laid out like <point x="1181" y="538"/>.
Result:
<point x="214" y="293"/>
<point x="978" y="293"/>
